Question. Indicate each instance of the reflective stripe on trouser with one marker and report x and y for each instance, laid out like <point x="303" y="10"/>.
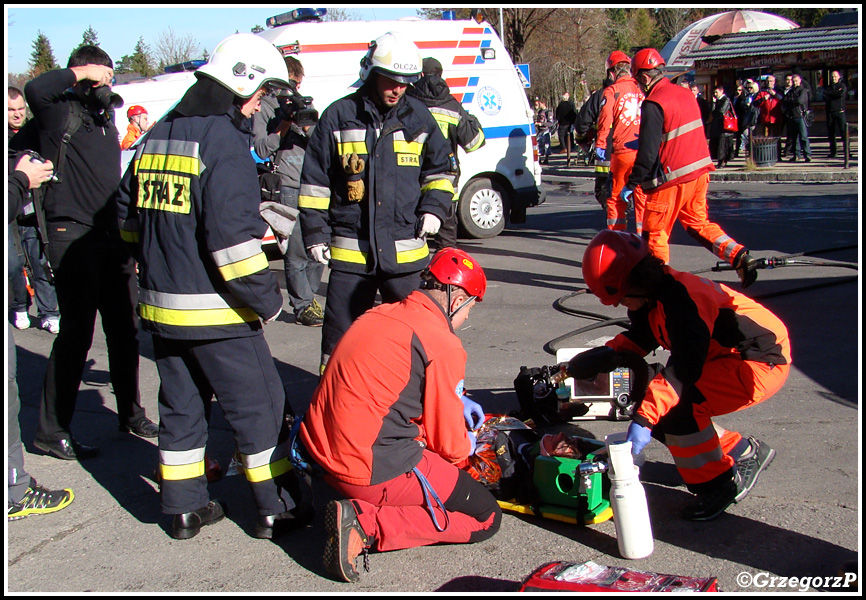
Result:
<point x="241" y="373"/>
<point x="395" y="513"/>
<point x="686" y="202"/>
<point x="621" y="165"/>
<point x="699" y="448"/>
<point x="351" y="294"/>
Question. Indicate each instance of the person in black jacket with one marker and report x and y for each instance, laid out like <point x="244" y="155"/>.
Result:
<point x="93" y="269"/>
<point x="585" y="128"/>
<point x="720" y="139"/>
<point x="835" y="94"/>
<point x="565" y="117"/>
<point x="459" y="128"/>
<point x="796" y="107"/>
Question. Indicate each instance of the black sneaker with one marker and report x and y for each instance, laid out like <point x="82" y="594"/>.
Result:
<point x="39" y="501"/>
<point x="309" y="317"/>
<point x="747" y="268"/>
<point x="346" y="540"/>
<point x="750" y="465"/>
<point x="709" y="505"/>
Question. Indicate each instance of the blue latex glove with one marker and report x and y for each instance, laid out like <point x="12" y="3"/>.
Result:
<point x="639" y="436"/>
<point x="601" y="153"/>
<point x="626" y="196"/>
<point x="473" y="440"/>
<point x="472" y="412"/>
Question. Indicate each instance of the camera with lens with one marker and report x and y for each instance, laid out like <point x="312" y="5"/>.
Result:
<point x="295" y="107"/>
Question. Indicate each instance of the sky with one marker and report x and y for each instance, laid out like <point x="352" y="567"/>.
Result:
<point x="118" y="28"/>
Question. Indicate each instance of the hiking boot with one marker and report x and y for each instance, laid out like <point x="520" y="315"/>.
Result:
<point x="747" y="268"/>
<point x="346" y="540"/>
<point x="709" y="505"/>
<point x="750" y="465"/>
<point x="320" y="311"/>
<point x="309" y="318"/>
<point x="39" y="501"/>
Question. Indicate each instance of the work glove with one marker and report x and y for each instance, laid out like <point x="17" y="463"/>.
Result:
<point x="590" y="363"/>
<point x="320" y="253"/>
<point x="473" y="441"/>
<point x="472" y="412"/>
<point x="601" y="153"/>
<point x="626" y="195"/>
<point x="427" y="225"/>
<point x="639" y="436"/>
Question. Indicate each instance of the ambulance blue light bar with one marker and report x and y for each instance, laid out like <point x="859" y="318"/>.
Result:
<point x="296" y="16"/>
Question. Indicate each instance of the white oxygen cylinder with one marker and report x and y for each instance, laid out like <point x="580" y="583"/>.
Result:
<point x="634" y="535"/>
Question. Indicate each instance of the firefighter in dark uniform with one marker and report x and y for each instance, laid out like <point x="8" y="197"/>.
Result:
<point x="458" y="126"/>
<point x="190" y="199"/>
<point x="377" y="180"/>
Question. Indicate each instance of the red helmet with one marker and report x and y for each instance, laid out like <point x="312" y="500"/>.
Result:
<point x="616" y="57"/>
<point x="608" y="261"/>
<point x="648" y="58"/>
<point x="135" y="109"/>
<point x="455" y="267"/>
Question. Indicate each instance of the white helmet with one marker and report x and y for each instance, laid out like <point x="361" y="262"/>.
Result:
<point x="244" y="62"/>
<point x="396" y="56"/>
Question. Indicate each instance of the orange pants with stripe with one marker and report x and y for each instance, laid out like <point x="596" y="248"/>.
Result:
<point x="700" y="448"/>
<point x="621" y="165"/>
<point x="686" y="203"/>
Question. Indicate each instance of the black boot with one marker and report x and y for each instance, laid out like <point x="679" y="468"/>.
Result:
<point x="187" y="525"/>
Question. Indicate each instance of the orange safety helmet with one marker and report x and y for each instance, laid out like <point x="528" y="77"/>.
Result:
<point x="616" y="57"/>
<point x="608" y="261"/>
<point x="135" y="109"/>
<point x="452" y="266"/>
<point x="648" y="58"/>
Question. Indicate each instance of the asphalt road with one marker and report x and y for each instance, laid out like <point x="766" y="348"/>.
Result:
<point x="801" y="521"/>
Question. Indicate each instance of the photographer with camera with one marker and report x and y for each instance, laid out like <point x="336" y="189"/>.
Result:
<point x="280" y="134"/>
<point x="93" y="268"/>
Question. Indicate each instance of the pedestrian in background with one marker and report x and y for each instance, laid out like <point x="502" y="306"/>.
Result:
<point x="769" y="103"/>
<point x="836" y="94"/>
<point x="796" y="106"/>
<point x="544" y="124"/>
<point x="566" y="114"/>
<point x="721" y="139"/>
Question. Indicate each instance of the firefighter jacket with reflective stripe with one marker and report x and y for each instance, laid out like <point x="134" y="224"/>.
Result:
<point x="190" y="198"/>
<point x="683" y="154"/>
<point x="367" y="211"/>
<point x="698" y="320"/>
<point x="619" y="117"/>
<point x="392" y="388"/>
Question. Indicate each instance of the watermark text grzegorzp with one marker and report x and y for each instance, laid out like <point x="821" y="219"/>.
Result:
<point x="803" y="584"/>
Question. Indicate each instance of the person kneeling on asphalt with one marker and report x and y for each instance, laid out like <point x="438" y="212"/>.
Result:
<point x="727" y="352"/>
<point x="390" y="424"/>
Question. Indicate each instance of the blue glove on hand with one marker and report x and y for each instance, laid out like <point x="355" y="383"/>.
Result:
<point x="601" y="153"/>
<point x="473" y="440"/>
<point x="639" y="436"/>
<point x="626" y="196"/>
<point x="472" y="412"/>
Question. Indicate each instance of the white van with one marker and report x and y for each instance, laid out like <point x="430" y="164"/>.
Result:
<point x="497" y="181"/>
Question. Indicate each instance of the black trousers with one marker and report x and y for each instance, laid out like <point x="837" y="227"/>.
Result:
<point x="836" y="123"/>
<point x="94" y="272"/>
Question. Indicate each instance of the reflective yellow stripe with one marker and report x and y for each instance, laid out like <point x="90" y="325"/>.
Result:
<point x="413" y="255"/>
<point x="168" y="162"/>
<point x="196" y="318"/>
<point x="476" y="143"/>
<point x="349" y="256"/>
<point x="246" y="267"/>
<point x="129" y="236"/>
<point x="439" y="184"/>
<point x="269" y="471"/>
<point x="178" y="472"/>
<point x="344" y="148"/>
<point x="314" y="202"/>
<point x="404" y="147"/>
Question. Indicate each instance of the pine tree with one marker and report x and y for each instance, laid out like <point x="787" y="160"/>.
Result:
<point x="42" y="58"/>
<point x="88" y="38"/>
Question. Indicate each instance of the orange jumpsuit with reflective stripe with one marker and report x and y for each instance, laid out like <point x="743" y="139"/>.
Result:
<point x="727" y="353"/>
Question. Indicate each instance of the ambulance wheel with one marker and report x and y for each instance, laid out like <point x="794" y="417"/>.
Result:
<point x="483" y="208"/>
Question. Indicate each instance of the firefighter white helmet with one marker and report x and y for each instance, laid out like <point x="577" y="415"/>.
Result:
<point x="244" y="62"/>
<point x="395" y="56"/>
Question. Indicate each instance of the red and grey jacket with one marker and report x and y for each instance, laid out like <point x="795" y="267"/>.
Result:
<point x="619" y="117"/>
<point x="673" y="148"/>
<point x="698" y="320"/>
<point x="190" y="200"/>
<point x="392" y="388"/>
<point x="407" y="171"/>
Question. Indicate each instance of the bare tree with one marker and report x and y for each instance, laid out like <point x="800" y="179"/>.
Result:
<point x="520" y="24"/>
<point x="172" y="48"/>
<point x="342" y="14"/>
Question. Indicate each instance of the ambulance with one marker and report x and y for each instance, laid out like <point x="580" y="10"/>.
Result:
<point x="497" y="182"/>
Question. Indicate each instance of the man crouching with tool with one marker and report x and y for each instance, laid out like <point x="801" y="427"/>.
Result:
<point x="389" y="423"/>
<point x="727" y="352"/>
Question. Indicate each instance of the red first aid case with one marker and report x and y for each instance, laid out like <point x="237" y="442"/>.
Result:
<point x="591" y="577"/>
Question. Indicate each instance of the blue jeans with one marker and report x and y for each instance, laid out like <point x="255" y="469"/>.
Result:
<point x="544" y="144"/>
<point x="303" y="274"/>
<point x="46" y="296"/>
<point x="797" y="133"/>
